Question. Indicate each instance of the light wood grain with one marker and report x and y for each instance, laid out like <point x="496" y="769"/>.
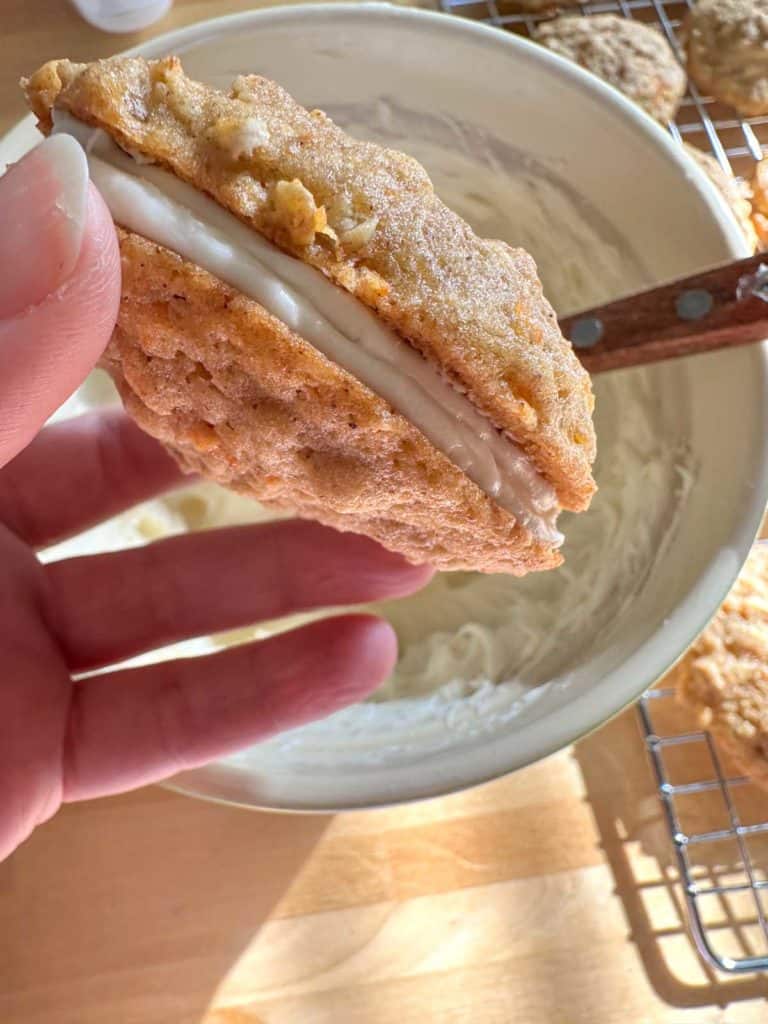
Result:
<point x="544" y="898"/>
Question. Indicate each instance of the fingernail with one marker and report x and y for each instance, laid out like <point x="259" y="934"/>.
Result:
<point x="43" y="208"/>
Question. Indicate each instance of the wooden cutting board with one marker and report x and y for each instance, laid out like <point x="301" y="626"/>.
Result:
<point x="544" y="897"/>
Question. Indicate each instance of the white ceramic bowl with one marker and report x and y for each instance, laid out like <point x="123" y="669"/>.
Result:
<point x="625" y="167"/>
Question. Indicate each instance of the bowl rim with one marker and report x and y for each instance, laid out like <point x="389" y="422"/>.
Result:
<point x="581" y="719"/>
<point x="586" y="81"/>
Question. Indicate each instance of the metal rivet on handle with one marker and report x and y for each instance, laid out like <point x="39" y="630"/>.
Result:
<point x="753" y="285"/>
<point x="694" y="304"/>
<point x="586" y="332"/>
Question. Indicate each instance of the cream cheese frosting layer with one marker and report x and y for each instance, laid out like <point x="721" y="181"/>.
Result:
<point x="154" y="203"/>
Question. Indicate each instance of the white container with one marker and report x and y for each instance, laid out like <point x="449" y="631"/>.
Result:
<point x="422" y="65"/>
<point x="122" y="15"/>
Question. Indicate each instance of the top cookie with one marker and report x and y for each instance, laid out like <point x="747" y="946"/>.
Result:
<point x="727" y="45"/>
<point x="223" y="375"/>
<point x="632" y="57"/>
<point x="472" y="306"/>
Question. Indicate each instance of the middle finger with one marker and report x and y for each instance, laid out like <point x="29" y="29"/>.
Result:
<point x="109" y="607"/>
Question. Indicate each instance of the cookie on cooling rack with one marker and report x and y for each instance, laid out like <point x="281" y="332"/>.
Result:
<point x="736" y="193"/>
<point x="760" y="202"/>
<point x="724" y="676"/>
<point x="632" y="57"/>
<point x="727" y="47"/>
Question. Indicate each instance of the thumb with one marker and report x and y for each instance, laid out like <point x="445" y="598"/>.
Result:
<point x="59" y="286"/>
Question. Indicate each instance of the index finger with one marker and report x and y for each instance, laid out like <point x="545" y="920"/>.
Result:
<point x="48" y="347"/>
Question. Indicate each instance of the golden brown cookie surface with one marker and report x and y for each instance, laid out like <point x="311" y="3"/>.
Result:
<point x="236" y="395"/>
<point x="724" y="676"/>
<point x="727" y="47"/>
<point x="632" y="57"/>
<point x="736" y="193"/>
<point x="472" y="306"/>
<point x="760" y="202"/>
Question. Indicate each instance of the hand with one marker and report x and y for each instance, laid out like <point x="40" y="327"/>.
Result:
<point x="62" y="739"/>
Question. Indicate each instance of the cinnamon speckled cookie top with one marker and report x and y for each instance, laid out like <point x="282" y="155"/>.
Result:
<point x="724" y="676"/>
<point x="632" y="57"/>
<point x="736" y="193"/>
<point x="369" y="219"/>
<point x="727" y="44"/>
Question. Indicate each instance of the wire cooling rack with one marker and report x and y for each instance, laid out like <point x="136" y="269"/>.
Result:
<point x="719" y="844"/>
<point x="701" y="120"/>
<point x="714" y="827"/>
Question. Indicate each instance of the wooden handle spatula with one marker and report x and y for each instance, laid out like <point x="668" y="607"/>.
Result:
<point x="719" y="308"/>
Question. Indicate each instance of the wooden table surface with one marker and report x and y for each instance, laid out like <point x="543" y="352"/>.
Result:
<point x="543" y="897"/>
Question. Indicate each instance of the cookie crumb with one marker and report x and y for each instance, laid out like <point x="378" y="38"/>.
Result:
<point x="239" y="137"/>
<point x="726" y="43"/>
<point x="356" y="237"/>
<point x="296" y="212"/>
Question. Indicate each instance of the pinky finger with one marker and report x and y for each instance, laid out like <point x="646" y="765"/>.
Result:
<point x="138" y="726"/>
